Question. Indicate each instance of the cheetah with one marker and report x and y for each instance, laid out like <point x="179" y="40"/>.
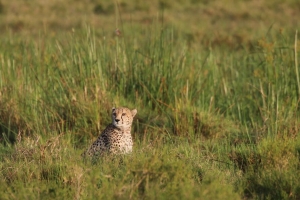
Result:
<point x="116" y="137"/>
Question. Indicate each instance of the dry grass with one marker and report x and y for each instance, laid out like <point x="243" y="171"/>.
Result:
<point x="209" y="22"/>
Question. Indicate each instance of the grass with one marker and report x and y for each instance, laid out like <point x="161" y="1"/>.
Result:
<point x="217" y="110"/>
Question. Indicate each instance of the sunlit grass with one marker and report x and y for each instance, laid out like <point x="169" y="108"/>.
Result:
<point x="213" y="121"/>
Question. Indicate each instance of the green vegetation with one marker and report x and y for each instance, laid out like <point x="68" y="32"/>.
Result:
<point x="216" y="85"/>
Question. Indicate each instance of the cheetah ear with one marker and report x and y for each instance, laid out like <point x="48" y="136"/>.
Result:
<point x="133" y="112"/>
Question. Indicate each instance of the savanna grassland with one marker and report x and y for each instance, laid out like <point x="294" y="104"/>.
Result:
<point x="216" y="85"/>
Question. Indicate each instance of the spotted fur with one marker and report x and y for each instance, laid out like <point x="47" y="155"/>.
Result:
<point x="116" y="137"/>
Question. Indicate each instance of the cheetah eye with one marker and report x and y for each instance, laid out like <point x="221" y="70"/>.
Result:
<point x="123" y="114"/>
<point x="114" y="114"/>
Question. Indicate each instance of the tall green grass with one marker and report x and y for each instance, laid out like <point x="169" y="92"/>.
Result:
<point x="212" y="122"/>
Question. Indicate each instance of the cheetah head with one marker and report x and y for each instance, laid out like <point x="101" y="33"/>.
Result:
<point x="122" y="117"/>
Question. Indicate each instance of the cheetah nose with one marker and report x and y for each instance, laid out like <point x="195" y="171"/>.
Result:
<point x="117" y="120"/>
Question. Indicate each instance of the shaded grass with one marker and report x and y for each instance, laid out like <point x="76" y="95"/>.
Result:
<point x="150" y="172"/>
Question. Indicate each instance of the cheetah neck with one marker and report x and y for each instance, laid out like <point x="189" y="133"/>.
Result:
<point x="124" y="129"/>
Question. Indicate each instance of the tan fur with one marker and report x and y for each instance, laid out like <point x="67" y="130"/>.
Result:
<point x="116" y="137"/>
